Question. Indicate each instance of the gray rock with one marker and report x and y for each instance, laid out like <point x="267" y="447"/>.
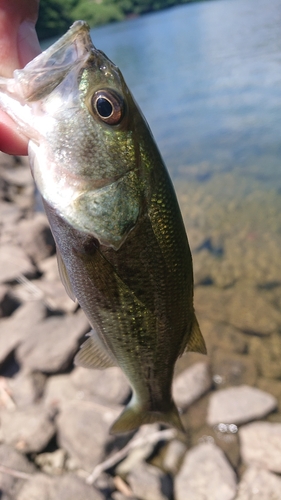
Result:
<point x="205" y="473"/>
<point x="9" y="457"/>
<point x="35" y="237"/>
<point x="26" y="388"/>
<point x="55" y="296"/>
<point x="52" y="463"/>
<point x="38" y="486"/>
<point x="53" y="343"/>
<point x="83" y="431"/>
<point x="14" y="263"/>
<point x="150" y="483"/>
<point x="108" y="385"/>
<point x="259" y="484"/>
<point x="67" y="487"/>
<point x="28" y="430"/>
<point x="237" y="405"/>
<point x="261" y="445"/>
<point x="191" y="384"/>
<point x="19" y="326"/>
<point x="174" y="453"/>
<point x="224" y="335"/>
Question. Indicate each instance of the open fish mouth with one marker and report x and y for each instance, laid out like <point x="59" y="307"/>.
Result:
<point x="39" y="77"/>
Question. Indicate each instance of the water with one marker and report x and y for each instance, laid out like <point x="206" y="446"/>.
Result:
<point x="208" y="78"/>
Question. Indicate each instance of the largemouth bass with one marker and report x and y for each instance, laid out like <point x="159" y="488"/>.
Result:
<point x="121" y="244"/>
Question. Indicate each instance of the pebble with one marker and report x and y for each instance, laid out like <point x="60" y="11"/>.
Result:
<point x="191" y="384"/>
<point x="237" y="405"/>
<point x="53" y="343"/>
<point x="150" y="483"/>
<point x="28" y="430"/>
<point x="35" y="237"/>
<point x="14" y="263"/>
<point x="259" y="484"/>
<point x="9" y="457"/>
<point x="67" y="487"/>
<point x="17" y="328"/>
<point x="205" y="474"/>
<point x="261" y="445"/>
<point x="83" y="431"/>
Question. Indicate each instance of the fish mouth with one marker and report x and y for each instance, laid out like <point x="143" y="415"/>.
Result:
<point x="30" y="85"/>
<point x="44" y="73"/>
<point x="39" y="77"/>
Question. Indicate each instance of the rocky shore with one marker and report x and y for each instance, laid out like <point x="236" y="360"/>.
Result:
<point x="54" y="417"/>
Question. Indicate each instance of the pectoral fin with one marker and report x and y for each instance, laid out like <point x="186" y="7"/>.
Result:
<point x="64" y="277"/>
<point x="94" y="354"/>
<point x="193" y="341"/>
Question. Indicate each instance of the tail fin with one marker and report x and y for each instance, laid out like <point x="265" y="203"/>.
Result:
<point x="133" y="417"/>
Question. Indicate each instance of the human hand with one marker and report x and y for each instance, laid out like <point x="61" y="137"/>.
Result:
<point x="18" y="45"/>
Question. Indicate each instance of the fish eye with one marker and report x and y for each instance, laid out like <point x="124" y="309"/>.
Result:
<point x="109" y="106"/>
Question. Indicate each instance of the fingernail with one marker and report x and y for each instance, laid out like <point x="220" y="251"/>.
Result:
<point x="28" y="44"/>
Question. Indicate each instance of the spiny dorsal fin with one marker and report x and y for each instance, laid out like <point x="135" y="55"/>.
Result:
<point x="194" y="340"/>
<point x="64" y="277"/>
<point x="94" y="353"/>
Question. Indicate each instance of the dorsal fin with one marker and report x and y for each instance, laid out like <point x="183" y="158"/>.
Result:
<point x="64" y="277"/>
<point x="94" y="353"/>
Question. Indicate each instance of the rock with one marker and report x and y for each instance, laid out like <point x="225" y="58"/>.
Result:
<point x="55" y="296"/>
<point x="109" y="385"/>
<point x="67" y="487"/>
<point x="150" y="483"/>
<point x="237" y="405"/>
<point x="267" y="352"/>
<point x="259" y="484"/>
<point x="28" y="430"/>
<point x="191" y="384"/>
<point x="174" y="453"/>
<point x="225" y="436"/>
<point x="83" y="431"/>
<point x="53" y="343"/>
<point x="242" y="306"/>
<point x="205" y="473"/>
<point x="233" y="369"/>
<point x="261" y="445"/>
<point x="51" y="463"/>
<point x="26" y="388"/>
<point x="38" y="486"/>
<point x="272" y="387"/>
<point x="9" y="457"/>
<point x="14" y="263"/>
<point x="19" y="326"/>
<point x="35" y="237"/>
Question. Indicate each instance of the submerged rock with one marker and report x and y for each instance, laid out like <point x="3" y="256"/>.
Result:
<point x="10" y="485"/>
<point x="191" y="384"/>
<point x="237" y="405"/>
<point x="150" y="483"/>
<point x="205" y="473"/>
<point x="259" y="484"/>
<point x="261" y="445"/>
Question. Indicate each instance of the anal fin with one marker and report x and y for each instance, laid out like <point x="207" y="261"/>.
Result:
<point x="194" y="341"/>
<point x="94" y="353"/>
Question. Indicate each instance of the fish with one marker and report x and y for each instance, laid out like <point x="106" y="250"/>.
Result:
<point x="122" y="248"/>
